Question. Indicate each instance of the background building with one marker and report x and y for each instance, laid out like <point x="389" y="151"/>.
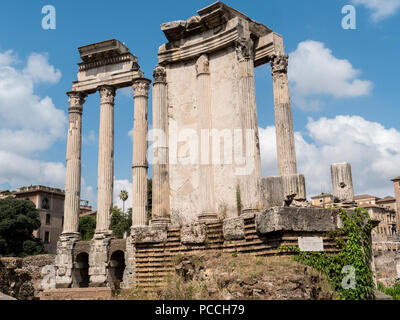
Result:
<point x="50" y="203"/>
<point x="323" y="200"/>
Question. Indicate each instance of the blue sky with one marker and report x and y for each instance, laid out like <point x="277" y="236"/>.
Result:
<point x="344" y="86"/>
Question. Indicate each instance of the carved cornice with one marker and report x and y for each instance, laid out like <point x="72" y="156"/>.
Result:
<point x="279" y="64"/>
<point x="203" y="65"/>
<point x="159" y="75"/>
<point x="83" y="66"/>
<point x="107" y="94"/>
<point x="76" y="101"/>
<point x="141" y="88"/>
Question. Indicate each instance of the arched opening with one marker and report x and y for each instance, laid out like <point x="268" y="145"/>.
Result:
<point x="80" y="275"/>
<point x="116" y="268"/>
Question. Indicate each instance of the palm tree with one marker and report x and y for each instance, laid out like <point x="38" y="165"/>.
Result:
<point x="123" y="196"/>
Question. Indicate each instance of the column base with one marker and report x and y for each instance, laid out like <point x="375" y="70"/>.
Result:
<point x="250" y="210"/>
<point x="98" y="258"/>
<point x="208" y="216"/>
<point x="294" y="184"/>
<point x="160" y="221"/>
<point x="64" y="259"/>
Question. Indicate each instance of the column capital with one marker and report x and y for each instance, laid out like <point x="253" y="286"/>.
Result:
<point x="159" y="75"/>
<point x="279" y="63"/>
<point x="76" y="101"/>
<point x="203" y="65"/>
<point x="245" y="50"/>
<point x="141" y="88"/>
<point x="107" y="94"/>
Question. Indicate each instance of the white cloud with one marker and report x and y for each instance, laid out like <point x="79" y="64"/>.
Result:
<point x="90" y="139"/>
<point x="7" y="58"/>
<point x="39" y="69"/>
<point x="17" y="170"/>
<point x="120" y="185"/>
<point x="372" y="150"/>
<point x="29" y="124"/>
<point x="88" y="194"/>
<point x="381" y="9"/>
<point x="314" y="73"/>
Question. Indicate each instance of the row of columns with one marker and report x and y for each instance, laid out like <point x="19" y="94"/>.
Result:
<point x="161" y="207"/>
<point x="106" y="159"/>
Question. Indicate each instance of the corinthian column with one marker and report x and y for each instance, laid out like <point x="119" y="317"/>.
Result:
<point x="251" y="175"/>
<point x="140" y="165"/>
<point x="161" y="205"/>
<point x="293" y="183"/>
<point x="105" y="184"/>
<point x="206" y="178"/>
<point x="73" y="170"/>
<point x="283" y="117"/>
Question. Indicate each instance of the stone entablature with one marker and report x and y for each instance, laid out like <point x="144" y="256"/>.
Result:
<point x="217" y="26"/>
<point x="106" y="63"/>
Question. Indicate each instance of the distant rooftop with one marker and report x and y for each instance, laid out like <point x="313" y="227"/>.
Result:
<point x="322" y="195"/>
<point x="386" y="199"/>
<point x="39" y="188"/>
<point x="364" y="196"/>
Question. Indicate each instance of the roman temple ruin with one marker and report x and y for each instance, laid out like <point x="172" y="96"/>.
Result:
<point x="208" y="192"/>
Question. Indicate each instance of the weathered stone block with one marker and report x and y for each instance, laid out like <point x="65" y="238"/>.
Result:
<point x="297" y="219"/>
<point x="233" y="229"/>
<point x="148" y="234"/>
<point x="193" y="233"/>
<point x="272" y="191"/>
<point x="294" y="184"/>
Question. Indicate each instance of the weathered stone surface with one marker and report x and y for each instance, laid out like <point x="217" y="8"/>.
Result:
<point x="272" y="192"/>
<point x="296" y="219"/>
<point x="148" y="234"/>
<point x="98" y="259"/>
<point x="64" y="260"/>
<point x="233" y="229"/>
<point x="22" y="278"/>
<point x="387" y="266"/>
<point x="193" y="233"/>
<point x="342" y="182"/>
<point x="294" y="184"/>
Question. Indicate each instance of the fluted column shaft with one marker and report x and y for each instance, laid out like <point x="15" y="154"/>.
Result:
<point x="342" y="182"/>
<point x="250" y="189"/>
<point x="73" y="170"/>
<point x="105" y="184"/>
<point x="283" y="117"/>
<point x="160" y="197"/>
<point x="140" y="165"/>
<point x="206" y="178"/>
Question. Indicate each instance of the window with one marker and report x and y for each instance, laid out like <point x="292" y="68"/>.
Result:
<point x="48" y="219"/>
<point x="47" y="237"/>
<point x="45" y="204"/>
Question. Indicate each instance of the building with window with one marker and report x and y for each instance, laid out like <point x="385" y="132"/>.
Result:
<point x="323" y="200"/>
<point x="50" y="203"/>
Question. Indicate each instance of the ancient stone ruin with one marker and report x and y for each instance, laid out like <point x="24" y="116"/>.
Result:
<point x="208" y="192"/>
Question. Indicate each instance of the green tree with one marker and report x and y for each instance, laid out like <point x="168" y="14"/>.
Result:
<point x="18" y="220"/>
<point x="120" y="223"/>
<point x="87" y="227"/>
